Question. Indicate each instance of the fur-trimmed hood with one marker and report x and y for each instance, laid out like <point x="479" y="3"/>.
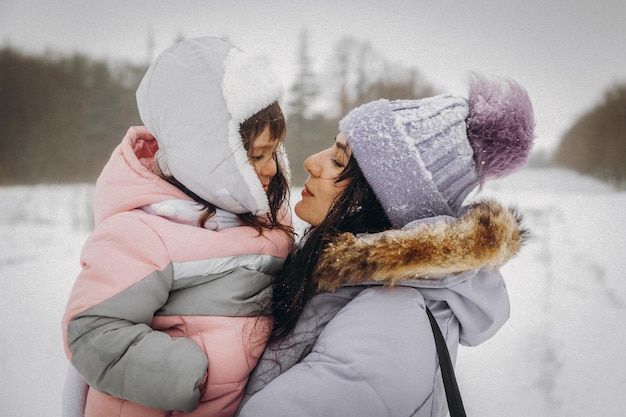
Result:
<point x="485" y="237"/>
<point x="193" y="99"/>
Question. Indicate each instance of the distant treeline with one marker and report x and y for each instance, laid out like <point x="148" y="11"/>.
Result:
<point x="61" y="116"/>
<point x="596" y="144"/>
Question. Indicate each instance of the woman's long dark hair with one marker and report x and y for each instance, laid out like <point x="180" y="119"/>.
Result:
<point x="356" y="210"/>
<point x="278" y="190"/>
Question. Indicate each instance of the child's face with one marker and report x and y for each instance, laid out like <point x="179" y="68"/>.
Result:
<point x="262" y="156"/>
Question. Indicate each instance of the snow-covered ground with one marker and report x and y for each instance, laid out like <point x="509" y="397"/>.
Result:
<point x="560" y="354"/>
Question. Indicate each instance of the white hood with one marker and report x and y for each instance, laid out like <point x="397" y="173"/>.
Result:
<point x="192" y="99"/>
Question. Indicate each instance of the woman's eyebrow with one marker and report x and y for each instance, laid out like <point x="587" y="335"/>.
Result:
<point x="341" y="145"/>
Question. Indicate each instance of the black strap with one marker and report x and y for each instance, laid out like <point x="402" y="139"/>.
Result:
<point x="455" y="403"/>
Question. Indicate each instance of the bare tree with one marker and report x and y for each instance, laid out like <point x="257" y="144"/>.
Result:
<point x="357" y="74"/>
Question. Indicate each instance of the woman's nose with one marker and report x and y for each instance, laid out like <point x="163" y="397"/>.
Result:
<point x="312" y="166"/>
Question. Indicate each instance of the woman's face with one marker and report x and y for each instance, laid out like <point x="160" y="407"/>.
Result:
<point x="262" y="156"/>
<point x="320" y="189"/>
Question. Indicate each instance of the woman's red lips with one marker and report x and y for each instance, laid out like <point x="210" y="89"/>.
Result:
<point x="306" y="192"/>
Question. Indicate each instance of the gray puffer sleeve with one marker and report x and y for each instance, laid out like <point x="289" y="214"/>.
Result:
<point x="112" y="344"/>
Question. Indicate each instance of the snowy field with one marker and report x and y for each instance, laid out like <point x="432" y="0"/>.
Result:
<point x="560" y="354"/>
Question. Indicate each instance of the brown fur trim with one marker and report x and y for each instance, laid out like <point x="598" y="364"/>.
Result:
<point x="486" y="237"/>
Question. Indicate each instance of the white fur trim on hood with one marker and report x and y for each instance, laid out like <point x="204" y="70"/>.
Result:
<point x="193" y="99"/>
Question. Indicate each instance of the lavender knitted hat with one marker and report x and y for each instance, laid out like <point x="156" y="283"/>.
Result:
<point x="423" y="157"/>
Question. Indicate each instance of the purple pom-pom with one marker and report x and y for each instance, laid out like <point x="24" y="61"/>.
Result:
<point x="499" y="126"/>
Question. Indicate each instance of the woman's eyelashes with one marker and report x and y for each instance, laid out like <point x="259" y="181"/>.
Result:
<point x="337" y="163"/>
<point x="338" y="157"/>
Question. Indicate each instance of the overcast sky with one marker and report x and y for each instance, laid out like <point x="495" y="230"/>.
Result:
<point x="566" y="53"/>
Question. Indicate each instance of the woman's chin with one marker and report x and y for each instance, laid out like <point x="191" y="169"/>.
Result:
<point x="303" y="213"/>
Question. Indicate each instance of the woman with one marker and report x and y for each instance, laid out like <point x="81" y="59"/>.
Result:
<point x="389" y="238"/>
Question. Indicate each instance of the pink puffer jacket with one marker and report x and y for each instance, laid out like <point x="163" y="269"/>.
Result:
<point x="161" y="307"/>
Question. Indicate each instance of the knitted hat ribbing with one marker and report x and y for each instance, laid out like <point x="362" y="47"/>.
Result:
<point x="423" y="157"/>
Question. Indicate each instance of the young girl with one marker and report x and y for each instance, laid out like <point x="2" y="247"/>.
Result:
<point x="169" y="312"/>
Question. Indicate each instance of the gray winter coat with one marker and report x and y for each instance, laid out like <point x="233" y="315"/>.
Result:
<point x="363" y="346"/>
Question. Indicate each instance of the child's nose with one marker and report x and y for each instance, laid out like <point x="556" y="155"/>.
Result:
<point x="269" y="169"/>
